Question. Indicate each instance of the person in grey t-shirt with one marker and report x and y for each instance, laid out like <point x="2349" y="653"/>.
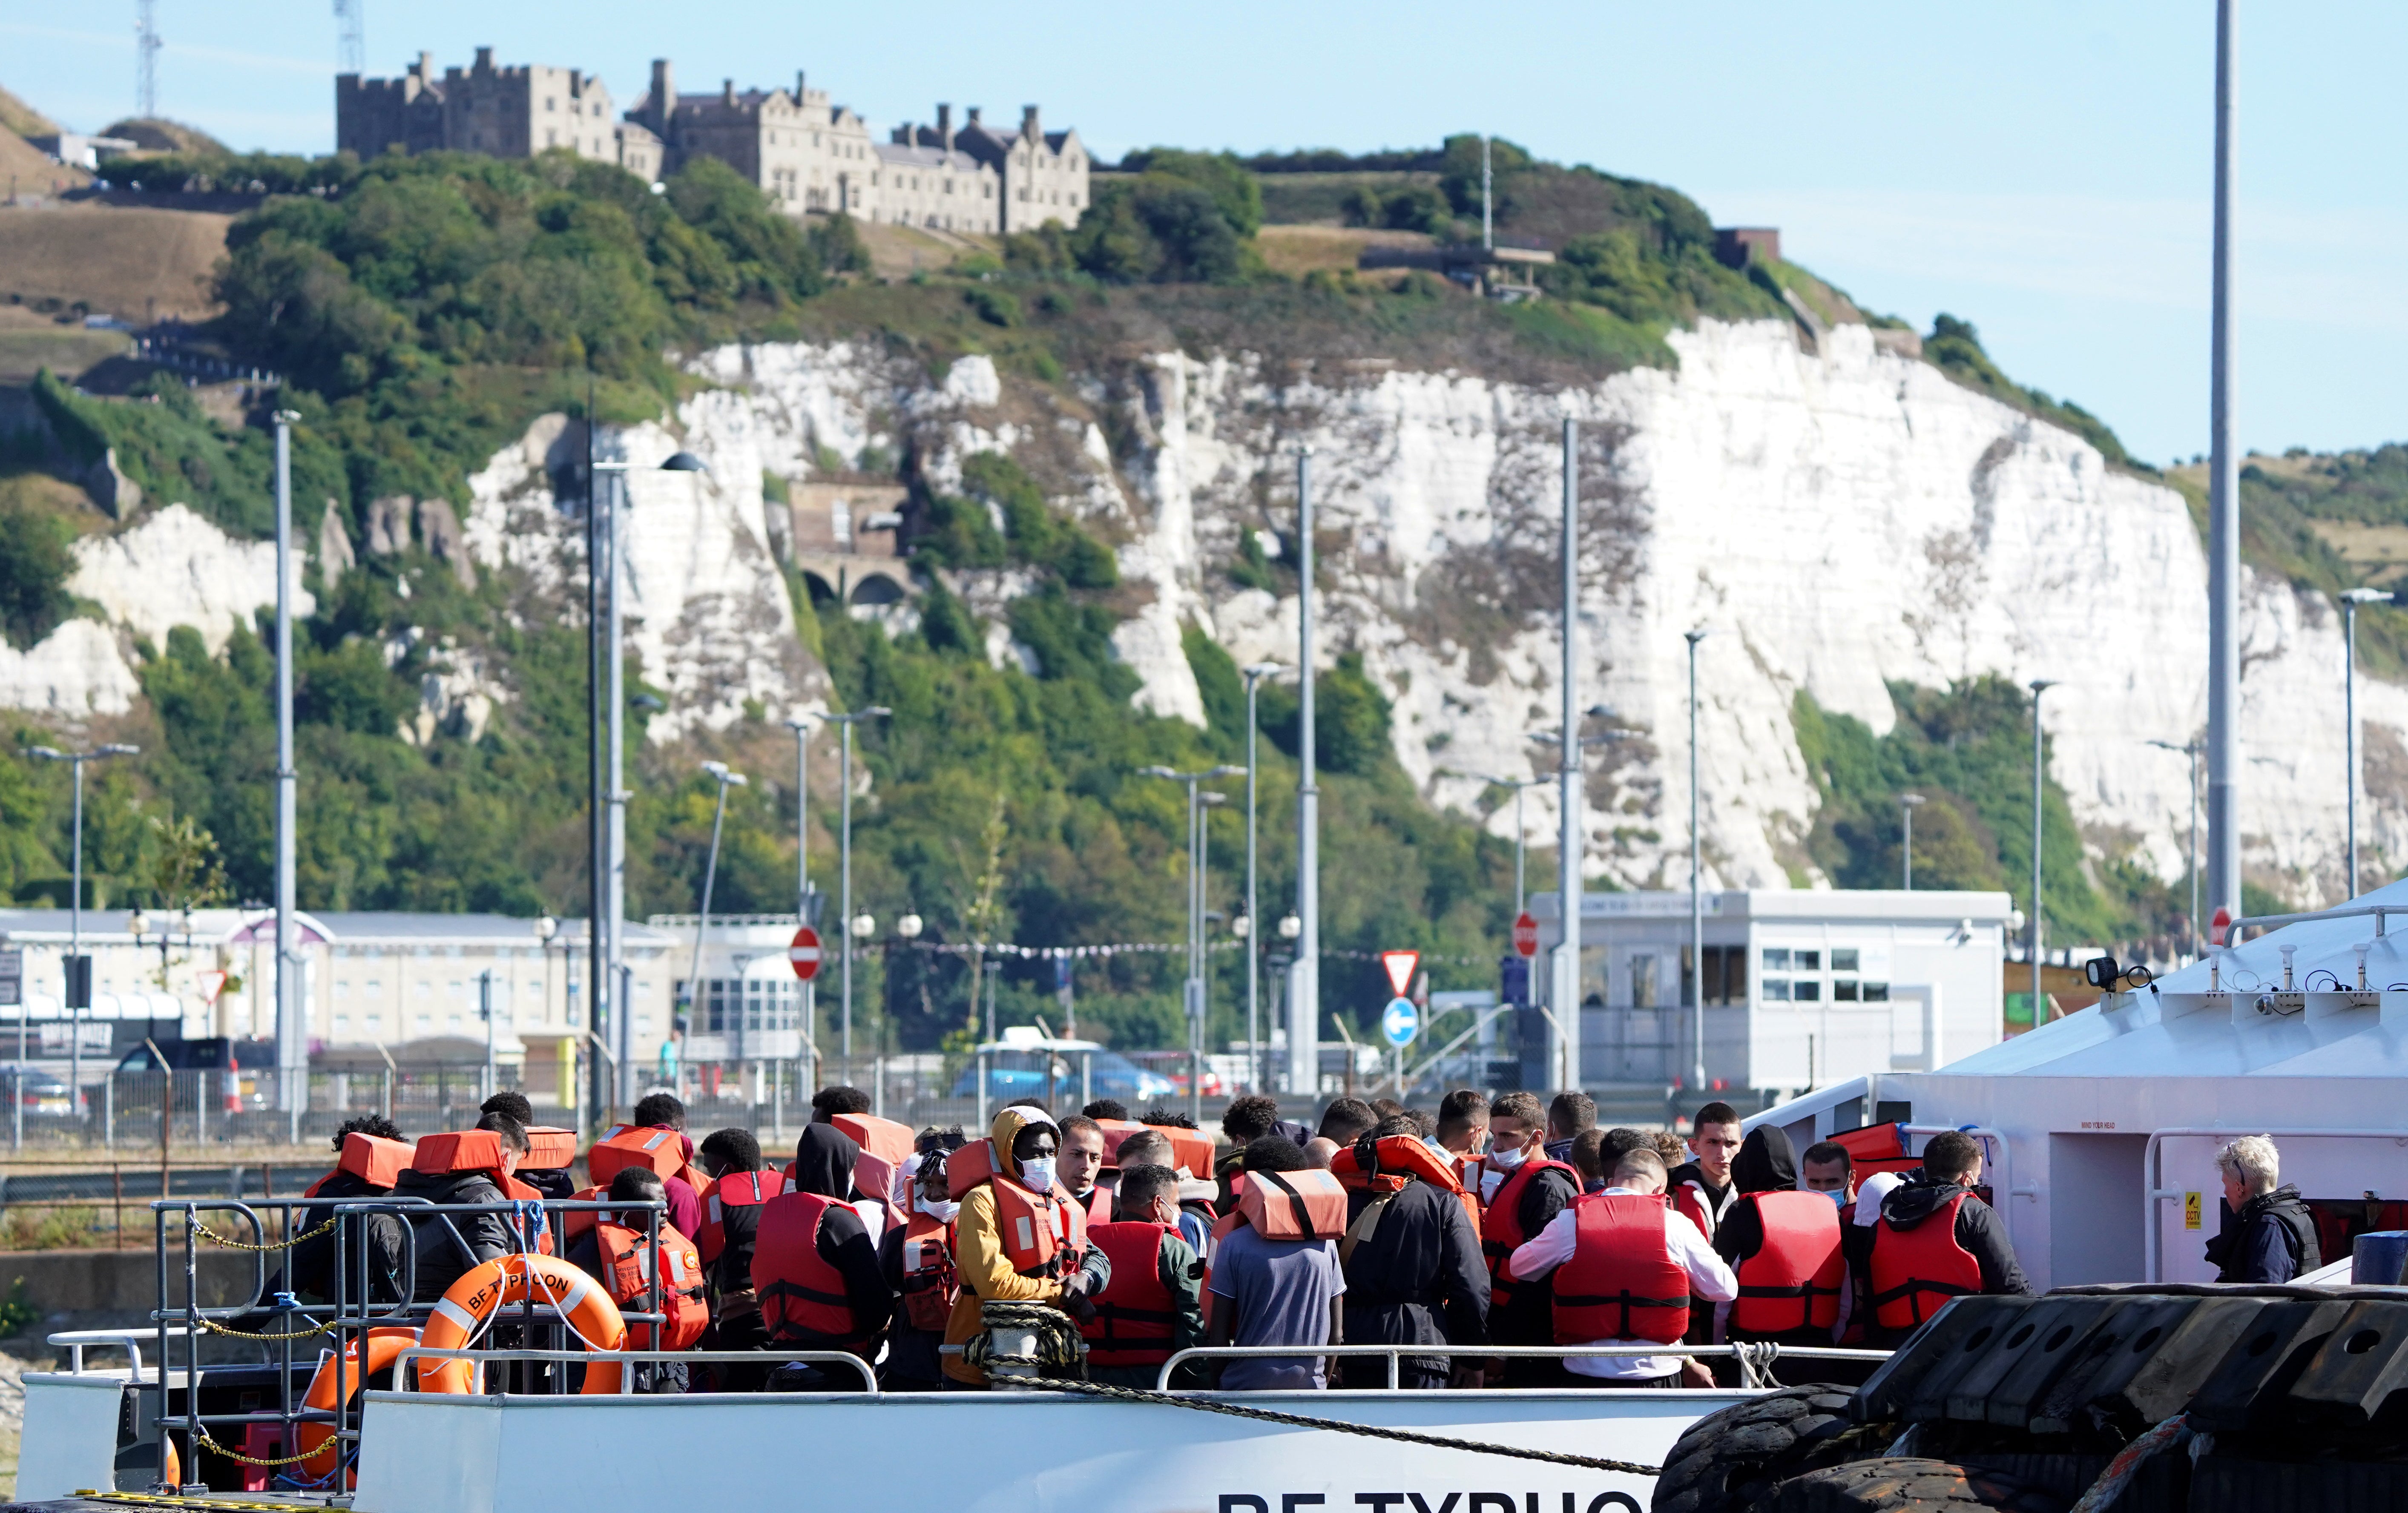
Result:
<point x="1276" y="1292"/>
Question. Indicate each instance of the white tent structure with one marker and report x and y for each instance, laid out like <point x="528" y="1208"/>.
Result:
<point x="2102" y="1126"/>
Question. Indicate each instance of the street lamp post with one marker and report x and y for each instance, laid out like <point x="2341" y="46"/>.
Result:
<point x="76" y="979"/>
<point x="1194" y="996"/>
<point x="844" y="870"/>
<point x="2038" y="686"/>
<point x="1304" y="974"/>
<point x="2350" y="602"/>
<point x="292" y="1032"/>
<point x="1696" y="899"/>
<point x="697" y="994"/>
<point x="808" y="1016"/>
<point x="1564" y="990"/>
<point x="2191" y="749"/>
<point x="1907" y="805"/>
<point x="1254" y="675"/>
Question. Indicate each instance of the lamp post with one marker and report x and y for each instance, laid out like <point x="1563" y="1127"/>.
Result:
<point x="1254" y="675"/>
<point x="696" y="992"/>
<point x="2038" y="686"/>
<point x="808" y="1008"/>
<point x="2349" y="603"/>
<point x="844" y="870"/>
<point x="1565" y="987"/>
<point x="292" y="1032"/>
<point x="1907" y="805"/>
<point x="1304" y="973"/>
<point x="2223" y="527"/>
<point x="1696" y="899"/>
<point x="1194" y="996"/>
<point x="2190" y="749"/>
<point x="76" y="979"/>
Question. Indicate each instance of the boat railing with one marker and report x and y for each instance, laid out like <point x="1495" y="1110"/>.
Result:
<point x="1754" y="1357"/>
<point x="76" y="1341"/>
<point x="2347" y="911"/>
<point x="405" y="1362"/>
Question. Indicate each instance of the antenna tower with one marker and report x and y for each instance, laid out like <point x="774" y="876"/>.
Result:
<point x="146" y="58"/>
<point x="351" y="36"/>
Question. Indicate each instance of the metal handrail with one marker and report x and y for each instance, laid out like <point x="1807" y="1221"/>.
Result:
<point x="411" y="1354"/>
<point x="2152" y="1173"/>
<point x="1393" y="1354"/>
<point x="76" y="1340"/>
<point x="2348" y="911"/>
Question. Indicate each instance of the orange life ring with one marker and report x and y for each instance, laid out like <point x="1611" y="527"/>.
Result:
<point x="514" y="1279"/>
<point x="317" y="1439"/>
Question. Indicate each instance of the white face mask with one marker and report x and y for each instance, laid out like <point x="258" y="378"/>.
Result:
<point x="1037" y="1173"/>
<point x="1508" y="1159"/>
<point x="938" y="1209"/>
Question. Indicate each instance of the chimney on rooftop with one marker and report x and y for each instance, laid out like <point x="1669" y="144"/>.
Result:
<point x="664" y="100"/>
<point x="484" y="60"/>
<point x="973" y="115"/>
<point x="727" y="91"/>
<point x="799" y="89"/>
<point x="425" y="69"/>
<point x="945" y="126"/>
<point x="1028" y="122"/>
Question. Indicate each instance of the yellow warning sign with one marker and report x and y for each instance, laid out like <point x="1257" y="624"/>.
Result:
<point x="2191" y="1210"/>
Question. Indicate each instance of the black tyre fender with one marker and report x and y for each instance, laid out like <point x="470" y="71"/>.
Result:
<point x="1906" y="1485"/>
<point x="1728" y="1460"/>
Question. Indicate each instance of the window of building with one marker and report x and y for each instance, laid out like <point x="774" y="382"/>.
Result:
<point x="1843" y="990"/>
<point x="424" y="988"/>
<point x="1776" y="959"/>
<point x="1876" y="993"/>
<point x="343" y="990"/>
<point x="1844" y="961"/>
<point x="457" y="988"/>
<point x="1806" y="961"/>
<point x="454" y="1021"/>
<point x="1806" y="991"/>
<point x="374" y="985"/>
<point x="549" y="104"/>
<point x="342" y="1021"/>
<point x="1776" y="989"/>
<point x="425" y="1023"/>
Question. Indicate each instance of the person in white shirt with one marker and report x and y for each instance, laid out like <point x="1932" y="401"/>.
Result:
<point x="1637" y="1173"/>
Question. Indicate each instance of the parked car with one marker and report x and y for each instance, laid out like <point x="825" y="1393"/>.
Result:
<point x="42" y="1094"/>
<point x="1049" y="1070"/>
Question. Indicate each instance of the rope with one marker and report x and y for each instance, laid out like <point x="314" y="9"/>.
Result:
<point x="279" y="1245"/>
<point x="2128" y="1462"/>
<point x="1060" y="1353"/>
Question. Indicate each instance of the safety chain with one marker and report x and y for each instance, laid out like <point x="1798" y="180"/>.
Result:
<point x="216" y="1328"/>
<point x="1132" y="1394"/>
<point x="279" y="1245"/>
<point x="208" y="1444"/>
<point x="211" y="1504"/>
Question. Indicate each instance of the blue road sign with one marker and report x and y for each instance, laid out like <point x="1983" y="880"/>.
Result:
<point x="1400" y="1022"/>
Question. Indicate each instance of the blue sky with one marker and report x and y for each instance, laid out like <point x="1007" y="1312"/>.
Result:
<point x="2041" y="169"/>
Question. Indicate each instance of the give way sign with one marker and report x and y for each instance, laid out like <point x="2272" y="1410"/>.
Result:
<point x="1400" y="966"/>
<point x="805" y="953"/>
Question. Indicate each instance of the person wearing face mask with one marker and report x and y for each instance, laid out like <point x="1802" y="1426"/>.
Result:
<point x="1017" y="1238"/>
<point x="1524" y="1189"/>
<point x="1153" y="1308"/>
<point x="917" y="1259"/>
<point x="1783" y="1246"/>
<point x="1463" y="1134"/>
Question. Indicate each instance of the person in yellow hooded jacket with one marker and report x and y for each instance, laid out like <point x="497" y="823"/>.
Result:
<point x="1018" y="1238"/>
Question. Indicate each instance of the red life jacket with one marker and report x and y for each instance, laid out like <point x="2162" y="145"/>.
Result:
<point x="1115" y="1131"/>
<point x="627" y="1272"/>
<point x="930" y="1284"/>
<point x="1042" y="1235"/>
<point x="1793" y="1280"/>
<point x="378" y="1163"/>
<point x="1916" y="1271"/>
<point x="578" y="1220"/>
<point x="1689" y="1200"/>
<point x="1098" y="1206"/>
<point x="1621" y="1281"/>
<point x="735" y="1190"/>
<point x="802" y="1300"/>
<point x="1500" y="1226"/>
<point x="1191" y="1150"/>
<point x="1133" y="1317"/>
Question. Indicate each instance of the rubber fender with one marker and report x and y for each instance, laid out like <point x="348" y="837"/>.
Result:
<point x="2220" y="1484"/>
<point x="1934" y="1355"/>
<point x="2057" y="1348"/>
<point x="2361" y="1365"/>
<point x="2248" y="1387"/>
<point x="2048" y="1336"/>
<point x="2158" y="1361"/>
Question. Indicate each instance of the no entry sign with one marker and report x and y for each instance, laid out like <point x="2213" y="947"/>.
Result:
<point x="1526" y="936"/>
<point x="805" y="953"/>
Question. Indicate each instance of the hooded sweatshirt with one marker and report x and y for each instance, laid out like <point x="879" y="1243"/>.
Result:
<point x="1979" y="1229"/>
<point x="1764" y="1164"/>
<point x="823" y="1163"/>
<point x="986" y="1273"/>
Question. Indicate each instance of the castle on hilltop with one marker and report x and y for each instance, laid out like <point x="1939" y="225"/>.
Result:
<point x="807" y="153"/>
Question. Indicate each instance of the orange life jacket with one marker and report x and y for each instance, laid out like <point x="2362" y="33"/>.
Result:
<point x="1621" y="1281"/>
<point x="735" y="1190"/>
<point x="627" y="1270"/>
<point x="1191" y="1150"/>
<point x="1133" y="1317"/>
<point x="1098" y="1204"/>
<point x="1115" y="1131"/>
<point x="662" y="1151"/>
<point x="968" y="1166"/>
<point x="802" y="1300"/>
<point x="1043" y="1234"/>
<point x="1287" y="1206"/>
<point x="1500" y="1226"/>
<point x="1916" y="1271"/>
<point x="930" y="1284"/>
<point x="550" y="1149"/>
<point x="376" y="1161"/>
<point x="890" y="1142"/>
<point x="1400" y="1158"/>
<point x="577" y="1221"/>
<point x="460" y="1151"/>
<point x="1793" y="1280"/>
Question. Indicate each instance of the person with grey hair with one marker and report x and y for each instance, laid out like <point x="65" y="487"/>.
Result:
<point x="2267" y="1234"/>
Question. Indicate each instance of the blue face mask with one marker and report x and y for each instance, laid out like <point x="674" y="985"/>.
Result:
<point x="1839" y="1196"/>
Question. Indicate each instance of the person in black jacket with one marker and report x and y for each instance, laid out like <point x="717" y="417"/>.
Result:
<point x="1516" y="1128"/>
<point x="1413" y="1274"/>
<point x="449" y="1246"/>
<point x="2267" y="1234"/>
<point x="1952" y="1168"/>
<point x="552" y="1183"/>
<point x="310" y="1270"/>
<point x="825" y="1158"/>
<point x="735" y="1307"/>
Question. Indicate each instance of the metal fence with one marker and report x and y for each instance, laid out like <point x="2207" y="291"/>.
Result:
<point x="175" y="1110"/>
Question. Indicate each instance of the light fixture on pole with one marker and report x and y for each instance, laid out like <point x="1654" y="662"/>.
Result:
<point x="1193" y="994"/>
<point x="1304" y="972"/>
<point x="2191" y="749"/>
<point x="1256" y="673"/>
<point x="2350" y="602"/>
<point x="1907" y="805"/>
<point x="2038" y="686"/>
<point x="76" y="978"/>
<point x="1561" y="1068"/>
<point x="696" y="992"/>
<point x="844" y="873"/>
<point x="1696" y="898"/>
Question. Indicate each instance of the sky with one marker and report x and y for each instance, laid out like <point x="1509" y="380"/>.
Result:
<point x="2042" y="170"/>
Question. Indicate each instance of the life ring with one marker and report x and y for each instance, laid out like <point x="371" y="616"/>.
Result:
<point x="318" y="1445"/>
<point x="514" y="1279"/>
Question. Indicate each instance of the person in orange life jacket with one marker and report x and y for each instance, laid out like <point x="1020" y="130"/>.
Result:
<point x="1080" y="1165"/>
<point x="1275" y="1291"/>
<point x="552" y="1183"/>
<point x="439" y="1238"/>
<point x="836" y="1099"/>
<point x="1413" y="1272"/>
<point x="1568" y="1114"/>
<point x="1153" y="1308"/>
<point x="1622" y="1268"/>
<point x="1702" y="1187"/>
<point x="1785" y="1247"/>
<point x="635" y="1184"/>
<point x="741" y="1186"/>
<point x="916" y="1258"/>
<point x="1522" y="1189"/>
<point x="310" y="1270"/>
<point x="662" y="1112"/>
<point x="1463" y="1132"/>
<point x="1151" y="1148"/>
<point x="1936" y="1240"/>
<point x="815" y="1266"/>
<point x="1016" y="1238"/>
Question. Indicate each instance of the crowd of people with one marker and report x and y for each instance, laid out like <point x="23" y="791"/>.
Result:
<point x="1482" y="1226"/>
